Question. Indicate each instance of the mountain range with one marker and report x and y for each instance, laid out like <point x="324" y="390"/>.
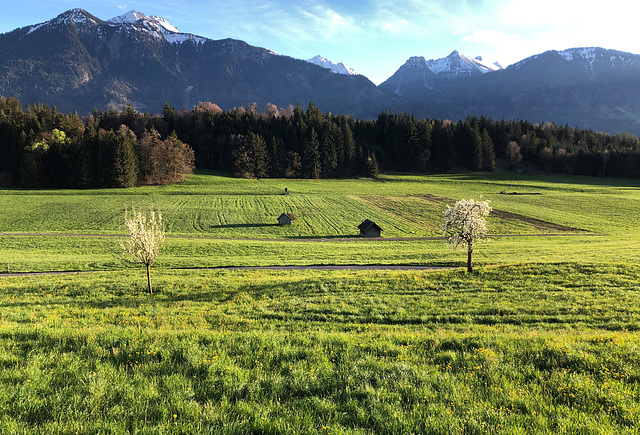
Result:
<point x="339" y="68"/>
<point x="591" y="88"/>
<point x="77" y="61"/>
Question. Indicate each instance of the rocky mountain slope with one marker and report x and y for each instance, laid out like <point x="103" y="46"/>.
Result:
<point x="591" y="87"/>
<point x="79" y="62"/>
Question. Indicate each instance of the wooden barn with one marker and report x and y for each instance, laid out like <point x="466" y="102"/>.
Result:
<point x="369" y="228"/>
<point x="285" y="219"/>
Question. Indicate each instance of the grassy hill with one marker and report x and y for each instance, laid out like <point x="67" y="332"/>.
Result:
<point x="543" y="338"/>
<point x="227" y="219"/>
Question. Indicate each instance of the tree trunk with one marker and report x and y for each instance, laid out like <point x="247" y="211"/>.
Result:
<point x="149" y="278"/>
<point x="469" y="260"/>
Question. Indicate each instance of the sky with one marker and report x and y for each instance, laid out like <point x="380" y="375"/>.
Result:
<point x="376" y="37"/>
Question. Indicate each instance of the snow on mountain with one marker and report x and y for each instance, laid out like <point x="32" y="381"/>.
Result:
<point x="458" y="65"/>
<point x="419" y="76"/>
<point x="589" y="59"/>
<point x="76" y="16"/>
<point x="133" y="17"/>
<point x="602" y="55"/>
<point x="132" y="20"/>
<point x="128" y="18"/>
<point x="339" y="68"/>
<point x="157" y="26"/>
<point x="495" y="66"/>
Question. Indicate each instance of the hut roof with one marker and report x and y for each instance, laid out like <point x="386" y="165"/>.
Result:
<point x="364" y="226"/>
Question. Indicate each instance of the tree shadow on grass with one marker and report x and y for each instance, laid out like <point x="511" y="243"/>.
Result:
<point x="243" y="226"/>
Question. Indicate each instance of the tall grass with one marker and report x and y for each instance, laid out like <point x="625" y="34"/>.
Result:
<point x="528" y="348"/>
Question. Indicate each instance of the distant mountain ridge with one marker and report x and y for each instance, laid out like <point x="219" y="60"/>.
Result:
<point x="458" y="65"/>
<point x="339" y="68"/>
<point x="157" y="26"/>
<point x="77" y="61"/>
<point x="590" y="87"/>
<point x="418" y="73"/>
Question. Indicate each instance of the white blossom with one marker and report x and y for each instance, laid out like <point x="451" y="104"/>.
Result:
<point x="145" y="238"/>
<point x="465" y="223"/>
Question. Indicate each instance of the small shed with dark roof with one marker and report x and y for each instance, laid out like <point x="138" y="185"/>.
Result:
<point x="369" y="228"/>
<point x="285" y="219"/>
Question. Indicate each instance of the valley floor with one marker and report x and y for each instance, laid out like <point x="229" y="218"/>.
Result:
<point x="542" y="338"/>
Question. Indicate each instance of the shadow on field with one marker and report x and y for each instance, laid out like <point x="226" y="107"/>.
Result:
<point x="243" y="226"/>
<point x="330" y="237"/>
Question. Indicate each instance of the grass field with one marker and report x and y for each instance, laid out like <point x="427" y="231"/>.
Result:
<point x="599" y="215"/>
<point x="543" y="338"/>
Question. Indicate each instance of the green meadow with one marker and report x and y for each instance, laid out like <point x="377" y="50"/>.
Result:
<point x="542" y="338"/>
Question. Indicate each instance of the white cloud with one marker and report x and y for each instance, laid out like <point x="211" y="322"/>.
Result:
<point x="321" y="21"/>
<point x="396" y="27"/>
<point x="493" y="38"/>
<point x="530" y="14"/>
<point x="555" y="25"/>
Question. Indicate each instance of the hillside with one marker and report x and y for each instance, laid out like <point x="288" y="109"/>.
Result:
<point x="80" y="62"/>
<point x="592" y="88"/>
<point x="77" y="61"/>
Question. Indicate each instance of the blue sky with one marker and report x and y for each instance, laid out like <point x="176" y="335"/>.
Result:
<point x="376" y="37"/>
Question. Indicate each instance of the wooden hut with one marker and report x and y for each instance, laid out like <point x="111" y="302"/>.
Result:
<point x="369" y="228"/>
<point x="285" y="219"/>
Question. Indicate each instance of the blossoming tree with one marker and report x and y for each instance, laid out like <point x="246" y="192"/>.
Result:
<point x="144" y="240"/>
<point x="465" y="223"/>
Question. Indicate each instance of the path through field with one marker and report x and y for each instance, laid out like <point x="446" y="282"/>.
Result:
<point x="311" y="267"/>
<point x="302" y="239"/>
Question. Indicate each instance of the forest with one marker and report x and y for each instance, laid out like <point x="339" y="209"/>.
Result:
<point x="44" y="148"/>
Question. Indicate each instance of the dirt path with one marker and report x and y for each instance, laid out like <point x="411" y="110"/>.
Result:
<point x="327" y="239"/>
<point x="310" y="267"/>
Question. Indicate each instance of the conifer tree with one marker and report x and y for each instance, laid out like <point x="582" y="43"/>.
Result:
<point x="488" y="151"/>
<point x="125" y="159"/>
<point x="258" y="151"/>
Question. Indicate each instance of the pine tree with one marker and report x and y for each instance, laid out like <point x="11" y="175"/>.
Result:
<point x="125" y="158"/>
<point x="258" y="151"/>
<point x="488" y="152"/>
<point x="372" y="165"/>
<point x="311" y="156"/>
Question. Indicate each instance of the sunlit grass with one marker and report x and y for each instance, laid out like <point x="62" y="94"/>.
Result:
<point x="542" y="339"/>
<point x="531" y="348"/>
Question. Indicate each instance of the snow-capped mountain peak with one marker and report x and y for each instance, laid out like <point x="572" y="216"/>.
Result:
<point x="135" y="21"/>
<point x="339" y="68"/>
<point x="459" y="65"/>
<point x="128" y="18"/>
<point x="132" y="17"/>
<point x="75" y="16"/>
<point x="418" y="74"/>
<point x="156" y="26"/>
<point x="590" y="59"/>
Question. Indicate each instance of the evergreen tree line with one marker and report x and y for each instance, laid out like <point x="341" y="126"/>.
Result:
<point x="44" y="148"/>
<point x="305" y="143"/>
<point x="123" y="148"/>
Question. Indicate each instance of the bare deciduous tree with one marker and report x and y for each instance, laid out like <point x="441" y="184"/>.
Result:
<point x="144" y="239"/>
<point x="164" y="161"/>
<point x="465" y="223"/>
